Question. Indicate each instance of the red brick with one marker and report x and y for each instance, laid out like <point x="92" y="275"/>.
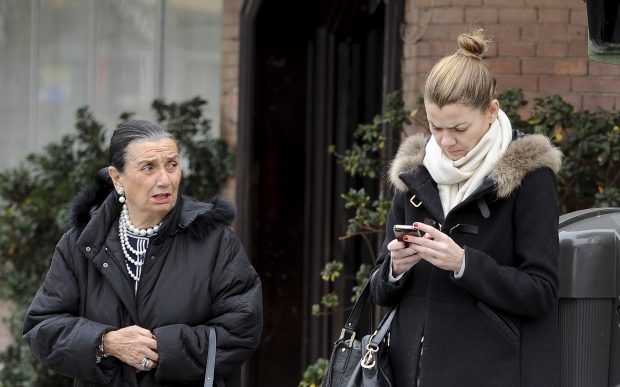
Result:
<point x="553" y="15"/>
<point x="553" y="84"/>
<point x="552" y="49"/>
<point x="429" y="3"/>
<point x="570" y="67"/>
<point x="594" y="102"/>
<point x="537" y="66"/>
<point x="554" y="66"/>
<point x="481" y="15"/>
<point x="411" y="50"/>
<point x="448" y="15"/>
<point x="444" y="31"/>
<point x="576" y="100"/>
<point x="500" y="32"/>
<point x="545" y="32"/>
<point x="230" y="18"/>
<point x="232" y="5"/>
<point x="469" y="3"/>
<point x="576" y="32"/>
<point x="517" y="49"/>
<point x="507" y="3"/>
<point x="598" y="68"/>
<point x="523" y="82"/>
<point x="230" y="46"/>
<point x="555" y="3"/>
<point x="578" y="49"/>
<point x="505" y="66"/>
<point x="411" y="15"/>
<point x="425" y="65"/>
<point x="231" y="31"/>
<point x="517" y="15"/>
<point x="579" y="16"/>
<point x="595" y="84"/>
<point x="443" y="48"/>
<point x="410" y="66"/>
<point x="420" y="81"/>
<point x="491" y="50"/>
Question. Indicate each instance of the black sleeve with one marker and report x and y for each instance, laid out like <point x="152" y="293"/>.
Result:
<point x="57" y="337"/>
<point x="384" y="292"/>
<point x="236" y="316"/>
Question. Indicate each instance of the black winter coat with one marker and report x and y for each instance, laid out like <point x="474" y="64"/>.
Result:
<point x="497" y="325"/>
<point x="196" y="274"/>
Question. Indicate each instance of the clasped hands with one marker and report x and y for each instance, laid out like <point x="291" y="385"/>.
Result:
<point x="434" y="246"/>
<point x="133" y="345"/>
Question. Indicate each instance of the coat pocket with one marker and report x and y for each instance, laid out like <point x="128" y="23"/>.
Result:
<point x="504" y="323"/>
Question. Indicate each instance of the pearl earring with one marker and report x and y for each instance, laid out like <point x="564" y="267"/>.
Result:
<point x="121" y="194"/>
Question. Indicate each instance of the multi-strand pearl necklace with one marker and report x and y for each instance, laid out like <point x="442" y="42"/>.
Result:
<point x="124" y="228"/>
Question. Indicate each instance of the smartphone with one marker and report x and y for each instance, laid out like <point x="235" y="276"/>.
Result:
<point x="401" y="230"/>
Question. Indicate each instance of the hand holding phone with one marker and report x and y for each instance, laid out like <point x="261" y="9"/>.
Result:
<point x="400" y="230"/>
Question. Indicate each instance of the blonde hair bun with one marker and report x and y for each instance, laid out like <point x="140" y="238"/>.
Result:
<point x="473" y="44"/>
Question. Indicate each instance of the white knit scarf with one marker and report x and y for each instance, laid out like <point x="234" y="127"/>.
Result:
<point x="457" y="179"/>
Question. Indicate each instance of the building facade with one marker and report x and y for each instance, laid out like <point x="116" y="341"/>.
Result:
<point x="284" y="80"/>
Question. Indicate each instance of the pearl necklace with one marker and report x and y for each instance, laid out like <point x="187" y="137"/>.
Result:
<point x="124" y="228"/>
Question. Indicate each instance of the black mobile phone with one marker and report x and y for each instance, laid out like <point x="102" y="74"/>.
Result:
<point x="401" y="230"/>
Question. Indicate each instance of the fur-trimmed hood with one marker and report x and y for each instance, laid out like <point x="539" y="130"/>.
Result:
<point x="523" y="155"/>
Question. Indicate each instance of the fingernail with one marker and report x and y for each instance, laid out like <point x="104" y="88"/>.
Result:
<point x="405" y="238"/>
<point x="153" y="337"/>
<point x="415" y="225"/>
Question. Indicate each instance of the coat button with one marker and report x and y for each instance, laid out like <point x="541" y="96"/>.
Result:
<point x="87" y="248"/>
<point x="105" y="264"/>
<point x="152" y="257"/>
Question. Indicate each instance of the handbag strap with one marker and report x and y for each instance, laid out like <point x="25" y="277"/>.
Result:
<point x="350" y="327"/>
<point x="383" y="328"/>
<point x="209" y="374"/>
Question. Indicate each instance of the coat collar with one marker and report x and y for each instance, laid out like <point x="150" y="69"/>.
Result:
<point x="524" y="155"/>
<point x="199" y="219"/>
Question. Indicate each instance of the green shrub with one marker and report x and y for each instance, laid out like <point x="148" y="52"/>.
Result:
<point x="34" y="200"/>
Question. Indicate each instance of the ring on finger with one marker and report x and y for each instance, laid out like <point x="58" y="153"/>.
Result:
<point x="145" y="362"/>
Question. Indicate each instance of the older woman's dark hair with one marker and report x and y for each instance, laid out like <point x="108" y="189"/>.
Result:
<point x="131" y="131"/>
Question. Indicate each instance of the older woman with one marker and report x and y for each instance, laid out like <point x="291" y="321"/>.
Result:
<point x="477" y="291"/>
<point x="144" y="271"/>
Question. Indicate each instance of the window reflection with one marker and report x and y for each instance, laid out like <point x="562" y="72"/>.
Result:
<point x="113" y="55"/>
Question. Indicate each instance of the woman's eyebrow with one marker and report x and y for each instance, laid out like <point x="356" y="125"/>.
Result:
<point x="450" y="127"/>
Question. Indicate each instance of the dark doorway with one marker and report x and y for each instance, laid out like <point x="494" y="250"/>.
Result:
<point x="311" y="71"/>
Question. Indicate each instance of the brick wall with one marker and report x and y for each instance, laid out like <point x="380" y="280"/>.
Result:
<point x="229" y="82"/>
<point x="539" y="46"/>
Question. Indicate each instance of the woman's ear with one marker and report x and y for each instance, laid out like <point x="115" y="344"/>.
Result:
<point x="116" y="176"/>
<point x="493" y="110"/>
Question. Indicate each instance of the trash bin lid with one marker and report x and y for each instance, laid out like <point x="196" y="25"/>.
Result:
<point x="589" y="253"/>
<point x="591" y="218"/>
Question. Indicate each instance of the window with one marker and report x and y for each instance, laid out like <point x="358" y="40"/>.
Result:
<point x="112" y="55"/>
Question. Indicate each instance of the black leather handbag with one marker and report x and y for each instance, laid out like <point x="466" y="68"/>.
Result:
<point x="366" y="362"/>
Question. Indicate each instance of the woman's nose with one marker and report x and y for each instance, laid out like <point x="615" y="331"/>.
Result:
<point x="163" y="180"/>
<point x="447" y="140"/>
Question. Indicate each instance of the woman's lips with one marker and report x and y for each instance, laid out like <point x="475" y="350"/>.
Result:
<point x="161" y="198"/>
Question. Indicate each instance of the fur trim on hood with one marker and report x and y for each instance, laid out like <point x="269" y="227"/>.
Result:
<point x="523" y="155"/>
<point x="197" y="217"/>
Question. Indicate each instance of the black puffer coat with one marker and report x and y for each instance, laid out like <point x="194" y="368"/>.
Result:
<point x="497" y="325"/>
<point x="196" y="274"/>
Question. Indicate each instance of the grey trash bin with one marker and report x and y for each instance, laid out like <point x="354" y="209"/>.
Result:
<point x="589" y="303"/>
